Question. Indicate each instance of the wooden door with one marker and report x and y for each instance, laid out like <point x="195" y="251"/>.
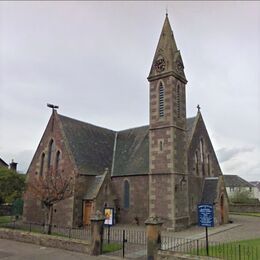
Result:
<point x="87" y="212"/>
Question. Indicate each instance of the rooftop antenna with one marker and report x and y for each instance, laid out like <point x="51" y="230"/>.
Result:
<point x="54" y="107"/>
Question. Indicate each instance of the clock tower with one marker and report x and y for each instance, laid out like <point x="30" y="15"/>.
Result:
<point x="168" y="179"/>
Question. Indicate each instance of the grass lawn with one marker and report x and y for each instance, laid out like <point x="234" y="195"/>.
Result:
<point x="244" y="249"/>
<point x="5" y="219"/>
<point x="251" y="214"/>
<point x="107" y="248"/>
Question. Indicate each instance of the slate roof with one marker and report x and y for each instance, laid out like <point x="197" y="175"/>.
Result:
<point x="190" y="124"/>
<point x="209" y="193"/>
<point x="236" y="181"/>
<point x="91" y="146"/>
<point x="94" y="187"/>
<point x="132" y="152"/>
<point x="3" y="163"/>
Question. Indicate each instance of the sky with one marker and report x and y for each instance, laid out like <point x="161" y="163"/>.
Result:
<point x="92" y="59"/>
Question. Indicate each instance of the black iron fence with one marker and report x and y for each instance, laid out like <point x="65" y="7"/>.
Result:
<point x="133" y="236"/>
<point x="77" y="233"/>
<point x="229" y="251"/>
<point x="124" y="242"/>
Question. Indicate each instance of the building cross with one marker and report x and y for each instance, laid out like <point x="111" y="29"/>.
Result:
<point x="198" y="107"/>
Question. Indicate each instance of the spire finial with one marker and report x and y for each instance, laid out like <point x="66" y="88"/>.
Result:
<point x="166" y="11"/>
<point x="198" y="107"/>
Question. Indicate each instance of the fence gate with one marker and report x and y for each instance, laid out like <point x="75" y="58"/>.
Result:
<point x="124" y="242"/>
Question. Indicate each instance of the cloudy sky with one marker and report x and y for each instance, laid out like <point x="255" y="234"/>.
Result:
<point x="92" y="59"/>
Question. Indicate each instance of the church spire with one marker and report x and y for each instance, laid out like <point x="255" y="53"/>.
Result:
<point x="167" y="59"/>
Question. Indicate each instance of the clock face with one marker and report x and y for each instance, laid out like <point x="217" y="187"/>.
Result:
<point x="160" y="64"/>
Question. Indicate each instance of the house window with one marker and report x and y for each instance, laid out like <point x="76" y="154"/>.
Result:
<point x="126" y="194"/>
<point x="178" y="101"/>
<point x="42" y="163"/>
<point x="50" y="151"/>
<point x="57" y="162"/>
<point x="161" y="100"/>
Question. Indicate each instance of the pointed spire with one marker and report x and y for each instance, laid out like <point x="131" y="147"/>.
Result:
<point x="167" y="58"/>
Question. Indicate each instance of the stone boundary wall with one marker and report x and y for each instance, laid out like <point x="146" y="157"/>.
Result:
<point x="169" y="255"/>
<point x="46" y="240"/>
<point x="254" y="208"/>
<point x="5" y="210"/>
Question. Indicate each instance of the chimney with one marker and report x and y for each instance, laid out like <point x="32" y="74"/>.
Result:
<point x="13" y="166"/>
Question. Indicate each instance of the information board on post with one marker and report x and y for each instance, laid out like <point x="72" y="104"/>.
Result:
<point x="109" y="216"/>
<point x="205" y="215"/>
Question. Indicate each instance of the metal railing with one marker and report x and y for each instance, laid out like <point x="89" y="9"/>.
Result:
<point x="131" y="235"/>
<point x="229" y="251"/>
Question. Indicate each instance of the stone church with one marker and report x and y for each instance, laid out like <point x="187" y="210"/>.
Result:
<point x="165" y="168"/>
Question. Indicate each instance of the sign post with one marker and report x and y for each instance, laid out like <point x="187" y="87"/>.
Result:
<point x="206" y="219"/>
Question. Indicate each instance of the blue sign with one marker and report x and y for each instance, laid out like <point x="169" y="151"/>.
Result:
<point x="206" y="215"/>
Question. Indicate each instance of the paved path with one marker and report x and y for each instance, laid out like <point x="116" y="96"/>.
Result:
<point x="13" y="250"/>
<point x="249" y="228"/>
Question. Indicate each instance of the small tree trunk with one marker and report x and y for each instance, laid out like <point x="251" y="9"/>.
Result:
<point x="48" y="219"/>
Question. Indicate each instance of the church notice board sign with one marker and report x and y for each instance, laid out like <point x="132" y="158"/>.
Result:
<point x="109" y="216"/>
<point x="205" y="215"/>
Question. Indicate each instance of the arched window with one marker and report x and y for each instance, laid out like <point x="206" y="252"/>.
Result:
<point x="126" y="194"/>
<point x="201" y="151"/>
<point x="50" y="151"/>
<point x="202" y="157"/>
<point x="208" y="163"/>
<point x="42" y="163"/>
<point x="196" y="163"/>
<point x="161" y="100"/>
<point x="178" y="108"/>
<point x="161" y="146"/>
<point x="57" y="161"/>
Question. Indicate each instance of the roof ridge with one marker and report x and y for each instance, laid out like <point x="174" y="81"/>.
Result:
<point x="132" y="128"/>
<point x="86" y="123"/>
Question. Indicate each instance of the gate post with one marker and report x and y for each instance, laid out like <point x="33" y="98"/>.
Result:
<point x="153" y="231"/>
<point x="97" y="230"/>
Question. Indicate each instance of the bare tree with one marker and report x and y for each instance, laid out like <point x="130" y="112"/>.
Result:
<point x="50" y="188"/>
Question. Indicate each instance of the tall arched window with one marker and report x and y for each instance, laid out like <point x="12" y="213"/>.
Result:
<point x="57" y="161"/>
<point x="126" y="194"/>
<point x="161" y="100"/>
<point x="50" y="152"/>
<point x="202" y="157"/>
<point x="42" y="163"/>
<point x="196" y="163"/>
<point x="201" y="151"/>
<point x="208" y="163"/>
<point x="178" y="107"/>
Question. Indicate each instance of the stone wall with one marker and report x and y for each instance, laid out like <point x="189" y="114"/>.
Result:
<point x="138" y="199"/>
<point x="5" y="210"/>
<point x="46" y="240"/>
<point x="255" y="208"/>
<point x="33" y="209"/>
